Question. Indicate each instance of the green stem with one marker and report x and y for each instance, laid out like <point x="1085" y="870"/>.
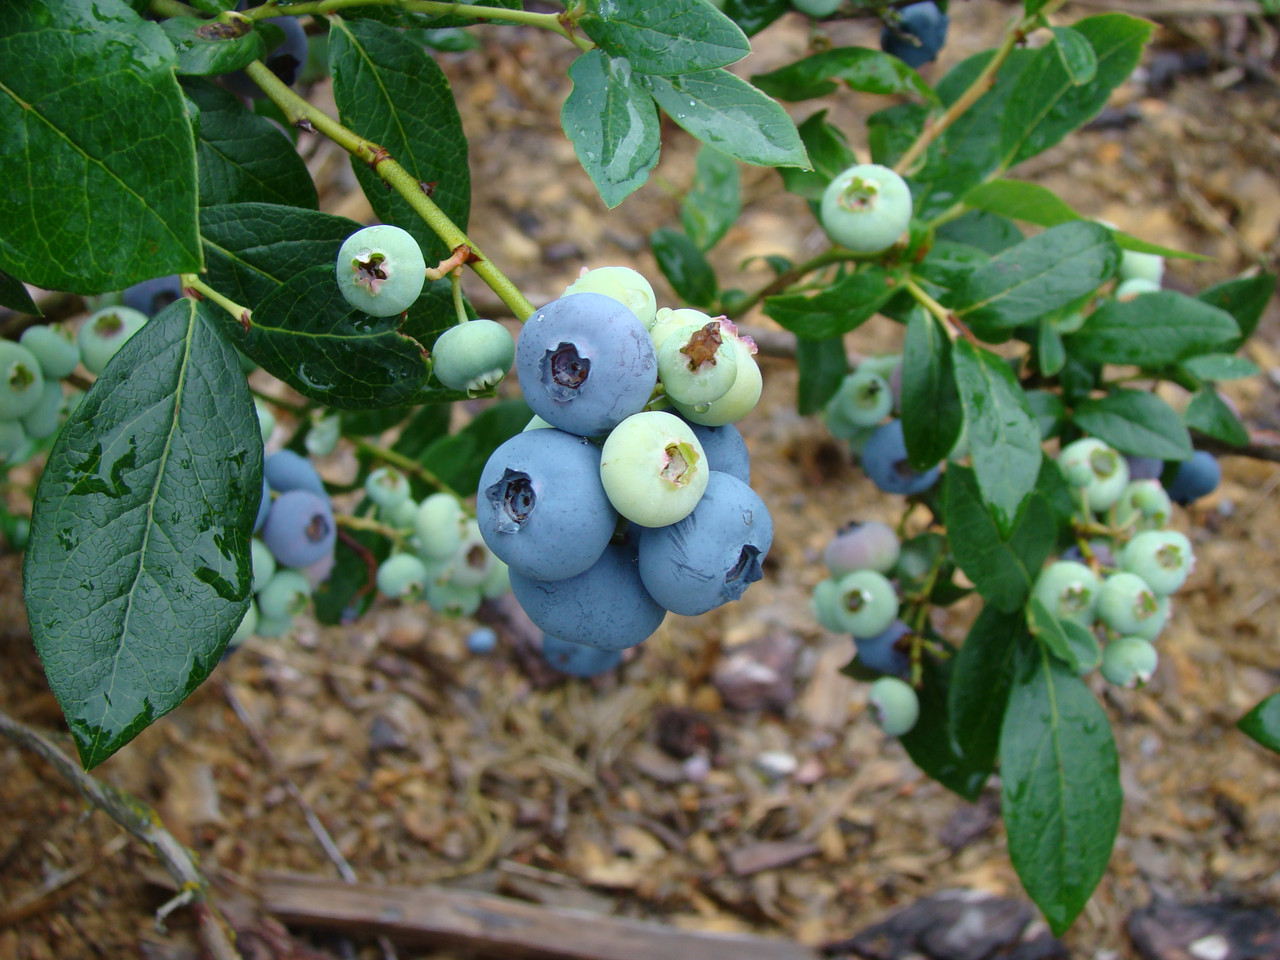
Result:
<point x="1016" y="32"/>
<point x="302" y="114"/>
<point x="191" y="281"/>
<point x="351" y="522"/>
<point x="545" y="21"/>
<point x="785" y="279"/>
<point x="173" y="8"/>
<point x="399" y="460"/>
<point x="459" y="308"/>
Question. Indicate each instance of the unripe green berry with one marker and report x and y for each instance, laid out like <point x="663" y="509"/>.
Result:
<point x="45" y="419"/>
<point x="285" y="596"/>
<point x="622" y="284"/>
<point x="697" y="364"/>
<point x="105" y="332"/>
<point x="402" y="574"/>
<point x="438" y="525"/>
<point x="322" y="438"/>
<point x="868" y="603"/>
<point x="895" y="704"/>
<point x="742" y="396"/>
<point x="473" y="356"/>
<point x="1069" y="590"/>
<point x="1127" y="604"/>
<point x="653" y="469"/>
<point x="381" y="270"/>
<point x="21" y="381"/>
<point x="1162" y="558"/>
<point x="866" y="208"/>
<point x="387" y="487"/>
<point x="56" y="352"/>
<point x="1098" y="472"/>
<point x="1144" y="505"/>
<point x="1129" y="661"/>
<point x="263" y="562"/>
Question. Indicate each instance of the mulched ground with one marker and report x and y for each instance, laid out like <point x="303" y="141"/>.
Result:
<point x="728" y="778"/>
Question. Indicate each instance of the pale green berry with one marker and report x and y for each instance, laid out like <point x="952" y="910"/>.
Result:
<point x="285" y="596"/>
<point x="473" y="356"/>
<point x="668" y="321"/>
<point x="1104" y="471"/>
<point x="263" y="562"/>
<point x="388" y="488"/>
<point x="53" y="349"/>
<point x="248" y="627"/>
<point x="653" y="469"/>
<point x="401" y="575"/>
<point x="1136" y="265"/>
<point x="21" y="381"/>
<point x="741" y="398"/>
<point x="1144" y="505"/>
<point x="1129" y="661"/>
<point x="438" y="525"/>
<point x="1129" y="289"/>
<point x="45" y="419"/>
<point x="895" y="705"/>
<point x="866" y="208"/>
<point x="13" y="440"/>
<point x="1069" y="590"/>
<point x="474" y="561"/>
<point x="266" y="419"/>
<point x="381" y="270"/>
<point x="322" y="438"/>
<point x="1162" y="558"/>
<point x="697" y="364"/>
<point x="622" y="284"/>
<point x="403" y="516"/>
<point x="868" y="603"/>
<point x="497" y="582"/>
<point x="1127" y="604"/>
<point x="451" y="600"/>
<point x="271" y="627"/>
<point x="105" y="332"/>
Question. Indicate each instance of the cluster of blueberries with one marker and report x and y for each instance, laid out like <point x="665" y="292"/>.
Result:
<point x="914" y="33"/>
<point x="628" y="495"/>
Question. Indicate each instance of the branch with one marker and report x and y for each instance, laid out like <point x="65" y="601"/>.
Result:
<point x="144" y="824"/>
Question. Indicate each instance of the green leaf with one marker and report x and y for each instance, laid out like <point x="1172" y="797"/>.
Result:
<point x="1051" y="355"/>
<point x="714" y="201"/>
<point x="306" y="334"/>
<point x="99" y="160"/>
<point x="207" y="47"/>
<point x="828" y="151"/>
<point x="1152" y="330"/>
<point x="244" y="158"/>
<point x="754" y="15"/>
<point x="14" y="295"/>
<point x="1262" y="723"/>
<point x="613" y="125"/>
<point x="1245" y="298"/>
<point x="390" y="91"/>
<point x="1135" y="422"/>
<point x="1220" y="366"/>
<point x="1067" y="640"/>
<point x="731" y="115"/>
<point x="1039" y="275"/>
<point x="351" y="588"/>
<point x="870" y="71"/>
<point x="820" y="367"/>
<point x="981" y="678"/>
<point x="684" y="266"/>
<point x="1209" y="414"/>
<point x="458" y="459"/>
<point x="931" y="743"/>
<point x="1048" y="410"/>
<point x="1076" y="55"/>
<point x="254" y="248"/>
<point x="1002" y="568"/>
<point x="1060" y="785"/>
<point x="932" y="416"/>
<point x="1048" y="103"/>
<point x="849" y="302"/>
<point x="138" y="571"/>
<point x="429" y="424"/>
<point x="948" y="266"/>
<point x="665" y="37"/>
<point x="1004" y="440"/>
<point x="989" y="232"/>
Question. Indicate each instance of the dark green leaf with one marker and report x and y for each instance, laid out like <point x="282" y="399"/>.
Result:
<point x="1039" y="275"/>
<point x="14" y="295"/>
<point x="932" y="416"/>
<point x="1048" y="104"/>
<point x="254" y="248"/>
<point x="458" y="459"/>
<point x="1048" y="410"/>
<point x="351" y="587"/>
<point x="1076" y="55"/>
<point x="1051" y="355"/>
<point x="931" y="743"/>
<point x="666" y="37"/>
<point x="1244" y="298"/>
<point x="1135" y="422"/>
<point x="714" y="201"/>
<point x="1004" y="440"/>
<point x="820" y="366"/>
<point x="211" y="46"/>
<point x="1220" y="366"/>
<point x="684" y="266"/>
<point x="1067" y="640"/>
<point x="1152" y="330"/>
<point x="870" y="71"/>
<point x="892" y="131"/>
<point x="138" y="571"/>
<point x="370" y="423"/>
<point x="390" y="91"/>
<point x="731" y="115"/>
<point x="1033" y="6"/>
<point x="613" y="124"/>
<point x="428" y="425"/>
<point x="754" y="15"/>
<point x="989" y="232"/>
<point x="1060" y="785"/>
<point x="1262" y="723"/>
<point x="981" y="678"/>
<point x="419" y="21"/>
<point x="244" y="158"/>
<point x="306" y="334"/>
<point x="1001" y="568"/>
<point x="89" y="101"/>
<point x="1209" y="414"/>
<point x="829" y="152"/>
<point x="1052" y="485"/>
<point x="948" y="266"/>
<point x="849" y="302"/>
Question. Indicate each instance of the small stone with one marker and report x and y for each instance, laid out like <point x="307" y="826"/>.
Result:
<point x="776" y="764"/>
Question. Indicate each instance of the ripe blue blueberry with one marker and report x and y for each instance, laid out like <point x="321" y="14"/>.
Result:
<point x="56" y="353"/>
<point x="1129" y="661"/>
<point x="1197" y="477"/>
<point x="152" y="296"/>
<point x="712" y="555"/>
<point x="380" y="270"/>
<point x="866" y="208"/>
<point x="21" y="381"/>
<point x="285" y="470"/>
<point x="1127" y="604"/>
<point x="585" y="363"/>
<point x="725" y="449"/>
<point x="473" y="356"/>
<point x="605" y="606"/>
<point x="300" y="528"/>
<point x="1162" y="558"/>
<point x="541" y="506"/>
<point x="653" y="469"/>
<point x="918" y="34"/>
<point x="862" y="546"/>
<point x="623" y="284"/>
<point x="401" y="574"/>
<point x="578" y="660"/>
<point x="884" y="458"/>
<point x="885" y="652"/>
<point x="895" y="705"/>
<point x="482" y="640"/>
<point x="104" y="333"/>
<point x="1069" y="590"/>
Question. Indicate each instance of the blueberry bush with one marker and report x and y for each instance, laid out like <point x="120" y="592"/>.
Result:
<point x="149" y="166"/>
